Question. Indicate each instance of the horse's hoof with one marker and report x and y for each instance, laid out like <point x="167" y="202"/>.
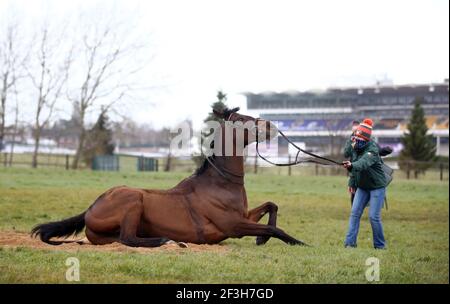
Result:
<point x="166" y="241"/>
<point x="299" y="243"/>
<point x="261" y="240"/>
<point x="182" y="244"/>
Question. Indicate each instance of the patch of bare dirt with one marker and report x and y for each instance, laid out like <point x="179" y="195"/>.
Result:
<point x="20" y="239"/>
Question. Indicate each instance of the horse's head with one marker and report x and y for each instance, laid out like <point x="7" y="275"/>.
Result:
<point x="246" y="129"/>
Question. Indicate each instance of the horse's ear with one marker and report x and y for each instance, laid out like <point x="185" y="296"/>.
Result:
<point x="225" y="113"/>
<point x="234" y="110"/>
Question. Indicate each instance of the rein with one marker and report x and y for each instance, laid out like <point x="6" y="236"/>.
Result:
<point x="222" y="170"/>
<point x="296" y="161"/>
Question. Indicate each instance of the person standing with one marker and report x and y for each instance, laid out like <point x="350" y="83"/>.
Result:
<point x="370" y="181"/>
<point x="350" y="154"/>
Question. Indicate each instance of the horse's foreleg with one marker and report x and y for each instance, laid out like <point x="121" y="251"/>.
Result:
<point x="253" y="229"/>
<point x="129" y="226"/>
<point x="257" y="213"/>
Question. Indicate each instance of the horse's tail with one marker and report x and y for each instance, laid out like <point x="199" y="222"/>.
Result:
<point x="64" y="228"/>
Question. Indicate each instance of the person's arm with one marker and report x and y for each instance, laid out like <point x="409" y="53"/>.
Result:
<point x="366" y="161"/>
<point x="348" y="149"/>
<point x="385" y="151"/>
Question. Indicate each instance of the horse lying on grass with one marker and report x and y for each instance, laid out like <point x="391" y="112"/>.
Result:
<point x="205" y="208"/>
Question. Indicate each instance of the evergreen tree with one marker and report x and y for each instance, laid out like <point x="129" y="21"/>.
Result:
<point x="99" y="139"/>
<point x="417" y="145"/>
<point x="218" y="105"/>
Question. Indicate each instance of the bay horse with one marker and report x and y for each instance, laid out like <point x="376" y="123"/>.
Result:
<point x="205" y="208"/>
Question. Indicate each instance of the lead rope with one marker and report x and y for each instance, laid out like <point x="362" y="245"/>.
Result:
<point x="296" y="162"/>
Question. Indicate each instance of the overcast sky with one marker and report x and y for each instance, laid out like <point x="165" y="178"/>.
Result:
<point x="240" y="46"/>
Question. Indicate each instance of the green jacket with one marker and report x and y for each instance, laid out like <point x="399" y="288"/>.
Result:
<point x="367" y="171"/>
<point x="350" y="154"/>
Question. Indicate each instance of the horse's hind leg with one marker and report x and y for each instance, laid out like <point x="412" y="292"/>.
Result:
<point x="129" y="227"/>
<point x="247" y="228"/>
<point x="257" y="213"/>
<point x="100" y="238"/>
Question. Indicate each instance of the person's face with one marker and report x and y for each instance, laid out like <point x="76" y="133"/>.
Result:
<point x="358" y="144"/>
<point x="354" y="127"/>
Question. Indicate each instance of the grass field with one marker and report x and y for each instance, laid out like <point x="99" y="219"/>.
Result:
<point x="313" y="209"/>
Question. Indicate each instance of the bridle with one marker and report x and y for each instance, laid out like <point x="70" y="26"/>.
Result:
<point x="227" y="174"/>
<point x="223" y="171"/>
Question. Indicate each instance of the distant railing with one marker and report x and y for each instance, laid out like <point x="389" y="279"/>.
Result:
<point x="43" y="160"/>
<point x="434" y="170"/>
<point x="64" y="161"/>
<point x="253" y="165"/>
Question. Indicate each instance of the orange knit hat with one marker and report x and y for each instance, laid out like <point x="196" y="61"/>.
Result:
<point x="364" y="130"/>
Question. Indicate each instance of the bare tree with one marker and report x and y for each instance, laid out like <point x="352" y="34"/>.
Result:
<point x="104" y="73"/>
<point x="15" y="127"/>
<point x="12" y="59"/>
<point x="48" y="76"/>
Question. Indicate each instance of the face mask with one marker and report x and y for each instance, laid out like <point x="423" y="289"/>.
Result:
<point x="359" y="144"/>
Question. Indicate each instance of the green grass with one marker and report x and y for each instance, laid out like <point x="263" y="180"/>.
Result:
<point x="314" y="209"/>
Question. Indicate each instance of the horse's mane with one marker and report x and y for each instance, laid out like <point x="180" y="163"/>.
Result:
<point x="205" y="165"/>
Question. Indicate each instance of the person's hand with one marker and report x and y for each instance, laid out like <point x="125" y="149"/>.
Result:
<point x="351" y="190"/>
<point x="347" y="164"/>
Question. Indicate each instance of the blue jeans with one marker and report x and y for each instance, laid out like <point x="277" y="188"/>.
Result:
<point x="376" y="200"/>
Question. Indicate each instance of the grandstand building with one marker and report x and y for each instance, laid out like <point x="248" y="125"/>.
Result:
<point x="321" y="121"/>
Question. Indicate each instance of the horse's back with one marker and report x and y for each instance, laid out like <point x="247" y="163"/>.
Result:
<point x="164" y="212"/>
<point x="107" y="212"/>
<point x="188" y="212"/>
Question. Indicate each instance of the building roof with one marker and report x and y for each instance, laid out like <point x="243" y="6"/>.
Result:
<point x="366" y="90"/>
